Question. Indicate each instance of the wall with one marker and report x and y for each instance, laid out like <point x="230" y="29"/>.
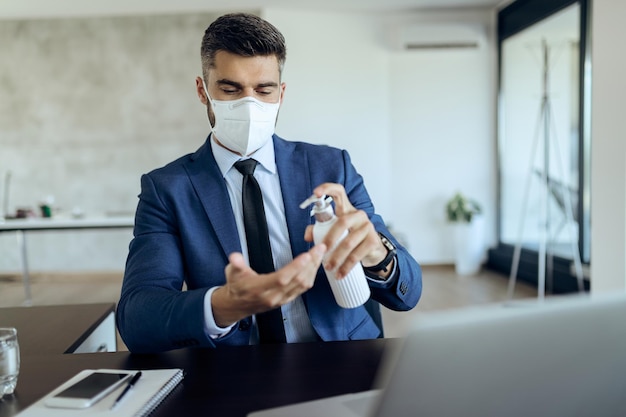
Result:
<point x="608" y="149"/>
<point x="106" y="99"/>
<point x="87" y="105"/>
<point x="337" y="83"/>
<point x="442" y="118"/>
<point x="417" y="128"/>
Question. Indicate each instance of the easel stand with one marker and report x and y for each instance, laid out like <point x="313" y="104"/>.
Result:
<point x="543" y="127"/>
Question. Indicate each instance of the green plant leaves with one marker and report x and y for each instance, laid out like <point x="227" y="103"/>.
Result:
<point x="461" y="209"/>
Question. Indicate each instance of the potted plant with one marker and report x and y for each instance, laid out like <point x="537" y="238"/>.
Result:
<point x="466" y="216"/>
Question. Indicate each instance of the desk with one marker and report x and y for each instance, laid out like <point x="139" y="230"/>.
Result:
<point x="21" y="226"/>
<point x="227" y="381"/>
<point x="62" y="329"/>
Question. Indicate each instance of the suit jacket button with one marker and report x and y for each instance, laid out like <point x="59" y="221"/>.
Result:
<point x="244" y="325"/>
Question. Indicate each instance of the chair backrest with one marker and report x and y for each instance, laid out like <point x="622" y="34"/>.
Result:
<point x="373" y="308"/>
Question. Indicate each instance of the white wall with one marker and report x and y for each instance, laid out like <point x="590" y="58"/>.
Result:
<point x="417" y="124"/>
<point x="337" y="85"/>
<point x="442" y="117"/>
<point x="608" y="149"/>
<point x="440" y="132"/>
<point x="418" y="127"/>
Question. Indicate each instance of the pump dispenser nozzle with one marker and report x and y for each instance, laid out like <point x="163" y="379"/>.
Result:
<point x="322" y="210"/>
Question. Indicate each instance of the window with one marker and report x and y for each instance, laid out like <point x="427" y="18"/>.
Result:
<point x="543" y="142"/>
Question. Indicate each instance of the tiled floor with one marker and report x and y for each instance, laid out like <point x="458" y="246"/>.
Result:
<point x="443" y="289"/>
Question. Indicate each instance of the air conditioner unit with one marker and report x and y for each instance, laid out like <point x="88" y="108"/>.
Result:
<point x="430" y="36"/>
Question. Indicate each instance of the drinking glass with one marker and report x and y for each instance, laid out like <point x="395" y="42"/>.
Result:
<point x="9" y="360"/>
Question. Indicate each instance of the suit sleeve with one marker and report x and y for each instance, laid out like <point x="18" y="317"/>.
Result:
<point x="404" y="290"/>
<point x="153" y="313"/>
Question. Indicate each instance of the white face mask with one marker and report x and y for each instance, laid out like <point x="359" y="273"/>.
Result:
<point x="243" y="125"/>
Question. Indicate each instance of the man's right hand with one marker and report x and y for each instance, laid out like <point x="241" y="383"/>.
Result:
<point x="246" y="292"/>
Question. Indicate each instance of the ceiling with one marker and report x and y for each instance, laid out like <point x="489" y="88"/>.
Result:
<point x="12" y="9"/>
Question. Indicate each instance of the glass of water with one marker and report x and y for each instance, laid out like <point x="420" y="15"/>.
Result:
<point x="9" y="360"/>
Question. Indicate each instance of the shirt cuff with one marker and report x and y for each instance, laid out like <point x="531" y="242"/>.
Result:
<point x="210" y="328"/>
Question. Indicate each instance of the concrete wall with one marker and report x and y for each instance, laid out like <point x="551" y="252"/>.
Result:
<point x="86" y="106"/>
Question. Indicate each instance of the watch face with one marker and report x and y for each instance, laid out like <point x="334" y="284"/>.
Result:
<point x="386" y="242"/>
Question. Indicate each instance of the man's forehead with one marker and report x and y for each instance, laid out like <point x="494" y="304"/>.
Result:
<point x="226" y="63"/>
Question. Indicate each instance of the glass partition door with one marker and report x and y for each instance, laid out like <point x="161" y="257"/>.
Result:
<point x="539" y="139"/>
<point x="543" y="150"/>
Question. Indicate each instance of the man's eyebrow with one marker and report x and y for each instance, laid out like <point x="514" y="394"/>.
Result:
<point x="235" y="84"/>
<point x="229" y="82"/>
<point x="267" y="84"/>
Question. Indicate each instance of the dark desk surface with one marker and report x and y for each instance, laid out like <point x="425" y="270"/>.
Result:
<point x="231" y="381"/>
<point x="53" y="329"/>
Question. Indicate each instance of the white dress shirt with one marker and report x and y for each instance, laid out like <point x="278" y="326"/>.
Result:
<point x="296" y="321"/>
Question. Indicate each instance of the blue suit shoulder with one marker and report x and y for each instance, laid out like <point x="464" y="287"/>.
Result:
<point x="306" y="147"/>
<point x="320" y="157"/>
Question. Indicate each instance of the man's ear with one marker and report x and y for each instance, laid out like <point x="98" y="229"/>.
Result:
<point x="283" y="86"/>
<point x="200" y="91"/>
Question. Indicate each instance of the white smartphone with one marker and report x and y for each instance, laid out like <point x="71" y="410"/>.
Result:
<point x="87" y="391"/>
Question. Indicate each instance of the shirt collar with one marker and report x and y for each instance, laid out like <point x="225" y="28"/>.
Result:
<point x="226" y="159"/>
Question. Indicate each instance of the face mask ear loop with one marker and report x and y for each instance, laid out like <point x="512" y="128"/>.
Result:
<point x="206" y="91"/>
<point x="209" y="100"/>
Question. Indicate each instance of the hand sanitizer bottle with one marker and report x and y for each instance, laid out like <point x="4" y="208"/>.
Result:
<point x="352" y="290"/>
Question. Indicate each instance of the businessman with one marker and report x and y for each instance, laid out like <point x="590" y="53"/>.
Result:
<point x="252" y="279"/>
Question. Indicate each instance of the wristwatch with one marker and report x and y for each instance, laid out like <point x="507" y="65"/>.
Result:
<point x="382" y="266"/>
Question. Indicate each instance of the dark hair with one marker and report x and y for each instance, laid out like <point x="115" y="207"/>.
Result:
<point x="242" y="34"/>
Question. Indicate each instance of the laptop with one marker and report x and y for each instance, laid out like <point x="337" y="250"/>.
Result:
<point x="562" y="356"/>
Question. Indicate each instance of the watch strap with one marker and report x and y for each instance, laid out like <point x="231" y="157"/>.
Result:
<point x="391" y="253"/>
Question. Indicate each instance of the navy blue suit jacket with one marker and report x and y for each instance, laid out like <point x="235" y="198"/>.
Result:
<point x="185" y="229"/>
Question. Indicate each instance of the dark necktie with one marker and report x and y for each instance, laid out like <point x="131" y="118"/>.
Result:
<point x="270" y="323"/>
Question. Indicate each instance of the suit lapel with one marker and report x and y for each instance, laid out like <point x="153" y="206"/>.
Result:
<point x="210" y="187"/>
<point x="295" y="183"/>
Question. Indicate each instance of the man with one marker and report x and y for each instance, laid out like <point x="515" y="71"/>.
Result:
<point x="190" y="226"/>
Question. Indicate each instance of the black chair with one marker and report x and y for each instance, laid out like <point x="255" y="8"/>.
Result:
<point x="373" y="308"/>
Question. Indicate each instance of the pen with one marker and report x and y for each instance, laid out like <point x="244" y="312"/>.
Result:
<point x="130" y="384"/>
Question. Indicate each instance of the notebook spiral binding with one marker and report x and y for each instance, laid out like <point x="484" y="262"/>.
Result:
<point x="154" y="402"/>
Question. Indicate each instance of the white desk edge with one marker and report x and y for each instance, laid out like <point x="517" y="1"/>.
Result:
<point x="20" y="226"/>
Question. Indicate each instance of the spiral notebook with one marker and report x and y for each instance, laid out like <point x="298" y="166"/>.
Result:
<point x="153" y="387"/>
